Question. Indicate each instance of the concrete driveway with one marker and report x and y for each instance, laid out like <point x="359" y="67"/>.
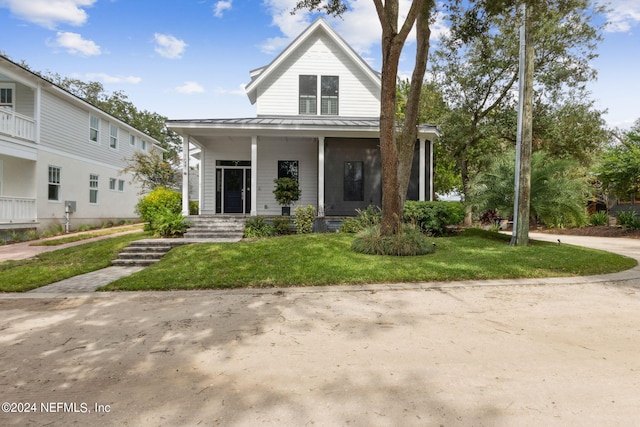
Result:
<point x="552" y="353"/>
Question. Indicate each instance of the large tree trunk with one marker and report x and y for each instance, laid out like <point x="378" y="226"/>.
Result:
<point x="395" y="158"/>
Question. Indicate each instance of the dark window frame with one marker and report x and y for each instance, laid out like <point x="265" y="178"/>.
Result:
<point x="353" y="181"/>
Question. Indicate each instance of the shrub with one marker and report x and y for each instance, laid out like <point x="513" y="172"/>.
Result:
<point x="599" y="218"/>
<point x="257" y="227"/>
<point x="410" y="242"/>
<point x="282" y="225"/>
<point x="433" y="217"/>
<point x="629" y="219"/>
<point x="304" y="218"/>
<point x="364" y="219"/>
<point x="156" y="204"/>
<point x="286" y="191"/>
<point x="194" y="207"/>
<point x="169" y="224"/>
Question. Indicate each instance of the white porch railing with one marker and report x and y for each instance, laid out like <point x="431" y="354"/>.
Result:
<point x="17" y="125"/>
<point x="17" y="209"/>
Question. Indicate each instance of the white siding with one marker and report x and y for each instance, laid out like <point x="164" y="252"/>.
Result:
<point x="270" y="150"/>
<point x="358" y="96"/>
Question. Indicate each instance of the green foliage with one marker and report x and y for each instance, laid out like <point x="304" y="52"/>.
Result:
<point x="364" y="219"/>
<point x="169" y="224"/>
<point x="410" y="242"/>
<point x="599" y="218"/>
<point x="160" y="208"/>
<point x="559" y="189"/>
<point x="304" y="218"/>
<point x="433" y="217"/>
<point x="286" y="191"/>
<point x="619" y="167"/>
<point x="257" y="227"/>
<point x="629" y="219"/>
<point x="282" y="225"/>
<point x="194" y="207"/>
<point x="153" y="170"/>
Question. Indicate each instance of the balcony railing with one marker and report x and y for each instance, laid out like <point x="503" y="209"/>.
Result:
<point x="17" y="209"/>
<point x="17" y="125"/>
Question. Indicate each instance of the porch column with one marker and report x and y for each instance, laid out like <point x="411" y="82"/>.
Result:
<point x="431" y="173"/>
<point x="254" y="175"/>
<point x="422" y="187"/>
<point x="321" y="176"/>
<point x="185" y="175"/>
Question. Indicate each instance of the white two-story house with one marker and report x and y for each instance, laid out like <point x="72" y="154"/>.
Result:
<point x="318" y="108"/>
<point x="59" y="153"/>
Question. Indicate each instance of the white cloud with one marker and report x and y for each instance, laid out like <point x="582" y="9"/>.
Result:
<point x="169" y="46"/>
<point x="623" y="15"/>
<point x="106" y="78"/>
<point x="289" y="25"/>
<point x="221" y="6"/>
<point x="189" y="88"/>
<point x="49" y="13"/>
<point x="240" y="90"/>
<point x="76" y="45"/>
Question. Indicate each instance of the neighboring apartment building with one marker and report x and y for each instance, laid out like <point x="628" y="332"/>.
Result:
<point x="318" y="108"/>
<point x="56" y="148"/>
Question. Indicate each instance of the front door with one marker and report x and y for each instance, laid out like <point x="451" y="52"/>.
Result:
<point x="233" y="190"/>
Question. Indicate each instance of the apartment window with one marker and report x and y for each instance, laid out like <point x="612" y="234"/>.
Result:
<point x="93" y="189"/>
<point x="353" y="181"/>
<point x="94" y="128"/>
<point x="329" y="95"/>
<point x="54" y="183"/>
<point x="308" y="88"/>
<point x="112" y="184"/>
<point x="288" y="169"/>
<point x="6" y="95"/>
<point x="120" y="185"/>
<point x="132" y="140"/>
<point x="113" y="136"/>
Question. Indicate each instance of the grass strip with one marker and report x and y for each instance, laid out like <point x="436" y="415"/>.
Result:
<point x="50" y="267"/>
<point x="85" y="236"/>
<point x="326" y="259"/>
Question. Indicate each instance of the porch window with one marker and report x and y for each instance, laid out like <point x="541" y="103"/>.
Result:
<point x="113" y="137"/>
<point x="54" y="183"/>
<point x="288" y="169"/>
<point x="112" y="184"/>
<point x="94" y="128"/>
<point x="6" y="95"/>
<point x="329" y="95"/>
<point x="132" y="140"/>
<point x="353" y="181"/>
<point x="308" y="89"/>
<point x="120" y="185"/>
<point x="143" y="145"/>
<point x="93" y="189"/>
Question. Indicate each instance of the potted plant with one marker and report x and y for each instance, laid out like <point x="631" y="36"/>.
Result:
<point x="286" y="192"/>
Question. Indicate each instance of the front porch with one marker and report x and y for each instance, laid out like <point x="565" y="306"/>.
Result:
<point x="17" y="125"/>
<point x="17" y="212"/>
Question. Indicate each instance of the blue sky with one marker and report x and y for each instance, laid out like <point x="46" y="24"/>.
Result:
<point x="191" y="58"/>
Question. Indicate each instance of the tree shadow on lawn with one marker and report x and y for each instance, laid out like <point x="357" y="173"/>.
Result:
<point x="232" y="358"/>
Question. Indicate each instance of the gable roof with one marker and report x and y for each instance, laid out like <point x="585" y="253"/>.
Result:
<point x="318" y="26"/>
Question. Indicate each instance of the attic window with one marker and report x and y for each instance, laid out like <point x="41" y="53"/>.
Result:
<point x="329" y="95"/>
<point x="308" y="94"/>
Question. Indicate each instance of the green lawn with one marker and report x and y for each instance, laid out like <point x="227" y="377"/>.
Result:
<point x="326" y="259"/>
<point x="49" y="267"/>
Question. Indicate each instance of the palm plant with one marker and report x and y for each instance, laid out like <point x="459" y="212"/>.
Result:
<point x="559" y="189"/>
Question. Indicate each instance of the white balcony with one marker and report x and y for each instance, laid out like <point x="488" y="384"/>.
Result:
<point x="17" y="210"/>
<point x="17" y="125"/>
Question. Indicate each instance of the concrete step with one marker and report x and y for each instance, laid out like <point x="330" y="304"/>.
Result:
<point x="133" y="262"/>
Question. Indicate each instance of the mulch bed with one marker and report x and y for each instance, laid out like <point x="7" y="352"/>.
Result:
<point x="598" y="231"/>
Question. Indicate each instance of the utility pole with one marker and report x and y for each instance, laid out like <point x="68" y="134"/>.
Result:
<point x="524" y="137"/>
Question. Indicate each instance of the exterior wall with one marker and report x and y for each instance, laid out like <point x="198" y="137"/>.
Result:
<point x="25" y="100"/>
<point x="270" y="150"/>
<point x="337" y="152"/>
<point x="17" y="177"/>
<point x="74" y="186"/>
<point x="358" y="97"/>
